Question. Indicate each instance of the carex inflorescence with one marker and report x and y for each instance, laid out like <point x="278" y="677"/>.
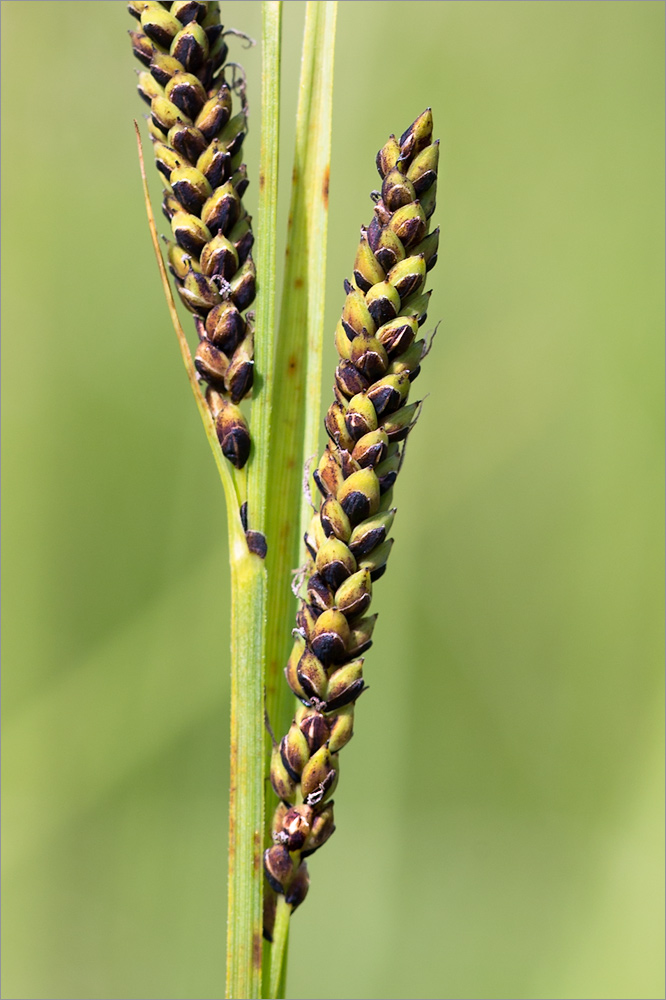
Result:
<point x="198" y="148"/>
<point x="348" y="539"/>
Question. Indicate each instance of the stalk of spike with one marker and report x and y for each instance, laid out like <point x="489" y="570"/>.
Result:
<point x="348" y="540"/>
<point x="198" y="149"/>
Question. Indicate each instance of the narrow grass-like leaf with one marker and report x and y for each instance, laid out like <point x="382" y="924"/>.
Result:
<point x="318" y="180"/>
<point x="295" y="420"/>
<point x="299" y="340"/>
<point x="265" y="257"/>
<point x="287" y="415"/>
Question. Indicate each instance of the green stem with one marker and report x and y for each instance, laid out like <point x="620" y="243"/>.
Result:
<point x="278" y="972"/>
<point x="249" y="578"/>
<point x="318" y="178"/>
<point x="244" y="927"/>
<point x="286" y="457"/>
<point x="298" y="358"/>
<point x="295" y="418"/>
<point x="262" y="396"/>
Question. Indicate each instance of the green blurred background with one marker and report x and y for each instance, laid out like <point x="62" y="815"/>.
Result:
<point x="500" y="813"/>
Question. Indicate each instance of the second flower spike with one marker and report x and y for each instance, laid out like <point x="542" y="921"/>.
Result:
<point x="347" y="542"/>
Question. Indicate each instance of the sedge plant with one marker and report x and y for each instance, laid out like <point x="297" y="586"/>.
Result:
<point x="256" y="381"/>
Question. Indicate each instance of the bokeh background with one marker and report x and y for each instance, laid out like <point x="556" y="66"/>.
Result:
<point x="500" y="813"/>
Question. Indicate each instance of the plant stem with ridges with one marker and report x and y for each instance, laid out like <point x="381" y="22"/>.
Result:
<point x="287" y="417"/>
<point x="296" y="416"/>
<point x="249" y="579"/>
<point x="265" y="258"/>
<point x="299" y="334"/>
<point x="244" y="930"/>
<point x="318" y="176"/>
<point x="278" y="972"/>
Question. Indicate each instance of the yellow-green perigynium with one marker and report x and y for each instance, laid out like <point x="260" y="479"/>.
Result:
<point x="198" y="148"/>
<point x="348" y="539"/>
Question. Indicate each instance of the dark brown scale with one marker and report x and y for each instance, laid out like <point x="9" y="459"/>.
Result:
<point x="215" y="121"/>
<point x="244" y="245"/>
<point x="311" y="679"/>
<point x="349" y="379"/>
<point x="189" y="196"/>
<point x="346" y="697"/>
<point x="218" y="170"/>
<point x="284" y="754"/>
<point x="188" y="99"/>
<point x="192" y="11"/>
<point x="189" y="52"/>
<point x="220" y="262"/>
<point x="240" y="180"/>
<point x="334" y="573"/>
<point x="244" y="290"/>
<point x="236" y="446"/>
<point x="318" y="593"/>
<point x="368" y="542"/>
<point x="211" y="364"/>
<point x="384" y="398"/>
<point x="370" y="357"/>
<point x="169" y="206"/>
<point x="316" y="731"/>
<point x="158" y="35"/>
<point x="142" y="47"/>
<point x="225" y="326"/>
<point x="356" y="506"/>
<point x="189" y="241"/>
<point x="357" y="424"/>
<point x="224" y="214"/>
<point x="213" y="32"/>
<point x="347" y="463"/>
<point x="188" y="142"/>
<point x="239" y="382"/>
<point x="368" y="456"/>
<point x="382" y="310"/>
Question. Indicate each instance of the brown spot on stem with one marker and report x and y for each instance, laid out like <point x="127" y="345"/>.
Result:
<point x="298" y="282"/>
<point x="292" y="364"/>
<point x="256" y="949"/>
<point x="256" y="853"/>
<point x="324" y="186"/>
<point x="262" y="180"/>
<point x="294" y="175"/>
